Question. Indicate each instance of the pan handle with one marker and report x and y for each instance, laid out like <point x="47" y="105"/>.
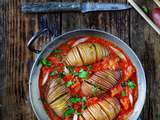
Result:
<point x="34" y="38"/>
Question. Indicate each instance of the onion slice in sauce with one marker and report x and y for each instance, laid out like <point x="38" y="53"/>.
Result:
<point x="80" y="41"/>
<point x="45" y="78"/>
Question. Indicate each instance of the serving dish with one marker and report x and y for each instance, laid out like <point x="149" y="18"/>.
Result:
<point x="55" y="42"/>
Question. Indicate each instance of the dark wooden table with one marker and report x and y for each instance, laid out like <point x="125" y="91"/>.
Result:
<point x="16" y="60"/>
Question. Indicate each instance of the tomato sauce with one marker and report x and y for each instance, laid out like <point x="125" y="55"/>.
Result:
<point x="126" y="91"/>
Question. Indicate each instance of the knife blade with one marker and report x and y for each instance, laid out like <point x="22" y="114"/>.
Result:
<point x="72" y="6"/>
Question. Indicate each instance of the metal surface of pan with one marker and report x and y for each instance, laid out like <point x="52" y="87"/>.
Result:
<point x="55" y="42"/>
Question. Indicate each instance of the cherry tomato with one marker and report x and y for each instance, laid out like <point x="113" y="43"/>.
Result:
<point x="156" y="16"/>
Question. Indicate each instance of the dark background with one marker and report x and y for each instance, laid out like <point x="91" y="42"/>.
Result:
<point x="16" y="60"/>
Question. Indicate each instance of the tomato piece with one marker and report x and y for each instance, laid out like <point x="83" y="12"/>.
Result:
<point x="116" y="90"/>
<point x="77" y="69"/>
<point x="124" y="115"/>
<point x="92" y="101"/>
<point x="156" y="16"/>
<point x="76" y="88"/>
<point x="125" y="102"/>
<point x="53" y="60"/>
<point x="77" y="84"/>
<point x="69" y="77"/>
<point x="59" y="69"/>
<point x="71" y="42"/>
<point x="129" y="71"/>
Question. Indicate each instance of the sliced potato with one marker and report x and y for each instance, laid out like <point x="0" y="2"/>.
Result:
<point x="60" y="105"/>
<point x="87" y="115"/>
<point x="108" y="109"/>
<point x="97" y="112"/>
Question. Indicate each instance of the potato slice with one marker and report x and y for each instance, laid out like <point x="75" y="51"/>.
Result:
<point x="97" y="112"/>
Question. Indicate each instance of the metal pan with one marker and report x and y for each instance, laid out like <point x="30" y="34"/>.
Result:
<point x="55" y="42"/>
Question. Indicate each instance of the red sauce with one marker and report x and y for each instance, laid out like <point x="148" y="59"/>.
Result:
<point x="128" y="73"/>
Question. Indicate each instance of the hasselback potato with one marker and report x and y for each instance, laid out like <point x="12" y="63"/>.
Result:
<point x="106" y="109"/>
<point x="57" y="96"/>
<point x="85" y="54"/>
<point x="100" y="82"/>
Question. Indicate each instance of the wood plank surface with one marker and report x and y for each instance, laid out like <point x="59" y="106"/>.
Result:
<point x="16" y="60"/>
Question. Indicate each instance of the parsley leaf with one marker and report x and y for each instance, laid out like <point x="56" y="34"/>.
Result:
<point x="84" y="99"/>
<point x="75" y="73"/>
<point x="78" y="113"/>
<point x="89" y="67"/>
<point x="94" y="89"/>
<point x="123" y="84"/>
<point x="61" y="75"/>
<point x="52" y="73"/>
<point x="58" y="56"/>
<point x="145" y="9"/>
<point x="123" y="93"/>
<point x="83" y="74"/>
<point x="131" y="84"/>
<point x="56" y="51"/>
<point x="70" y="68"/>
<point x="74" y="100"/>
<point x="45" y="62"/>
<point x="69" y="83"/>
<point x="81" y="70"/>
<point x="69" y="111"/>
<point x="83" y="107"/>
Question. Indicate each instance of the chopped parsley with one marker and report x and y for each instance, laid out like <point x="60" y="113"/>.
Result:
<point x="45" y="62"/>
<point x="123" y="93"/>
<point x="74" y="100"/>
<point x="69" y="112"/>
<point x="123" y="84"/>
<point x="56" y="51"/>
<point x="94" y="89"/>
<point x="78" y="113"/>
<point x="83" y="107"/>
<point x="69" y="83"/>
<point x="61" y="75"/>
<point x="131" y="84"/>
<point x="52" y="73"/>
<point x="84" y="99"/>
<point x="83" y="74"/>
<point x="58" y="56"/>
<point x="70" y="68"/>
<point x="89" y="67"/>
<point x="75" y="73"/>
<point x="145" y="9"/>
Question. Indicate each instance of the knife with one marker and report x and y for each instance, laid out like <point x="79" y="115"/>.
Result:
<point x="72" y="6"/>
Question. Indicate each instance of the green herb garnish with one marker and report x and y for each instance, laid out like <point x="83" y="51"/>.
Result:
<point x="131" y="84"/>
<point x="83" y="74"/>
<point x="58" y="56"/>
<point x="75" y="73"/>
<point x="52" y="73"/>
<point x="56" y="51"/>
<point x="83" y="107"/>
<point x="89" y="67"/>
<point x="61" y="75"/>
<point x="84" y="99"/>
<point x="69" y="112"/>
<point x="123" y="93"/>
<point x="45" y="62"/>
<point x="69" y="83"/>
<point x="81" y="70"/>
<point x="78" y="113"/>
<point x="94" y="89"/>
<point x="74" y="100"/>
<point x="123" y="84"/>
<point x="70" y="68"/>
<point x="145" y="9"/>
